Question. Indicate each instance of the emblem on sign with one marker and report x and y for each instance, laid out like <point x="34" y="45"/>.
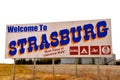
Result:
<point x="84" y="50"/>
<point x="94" y="50"/>
<point x="105" y="50"/>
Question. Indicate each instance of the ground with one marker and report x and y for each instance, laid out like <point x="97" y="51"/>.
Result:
<point x="62" y="72"/>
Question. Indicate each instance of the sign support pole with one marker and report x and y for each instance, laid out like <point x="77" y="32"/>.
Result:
<point x="14" y="70"/>
<point x="98" y="68"/>
<point x="76" y="62"/>
<point x="53" y="69"/>
<point x="34" y="69"/>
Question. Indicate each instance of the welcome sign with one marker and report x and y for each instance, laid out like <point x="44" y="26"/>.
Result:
<point x="90" y="38"/>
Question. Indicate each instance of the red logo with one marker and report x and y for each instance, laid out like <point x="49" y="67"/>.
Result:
<point x="84" y="50"/>
<point x="94" y="50"/>
<point x="73" y="50"/>
<point x="105" y="49"/>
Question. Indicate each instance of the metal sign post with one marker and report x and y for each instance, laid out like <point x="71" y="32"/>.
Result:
<point x="34" y="69"/>
<point x="76" y="62"/>
<point x="98" y="68"/>
<point x="53" y="69"/>
<point x="14" y="69"/>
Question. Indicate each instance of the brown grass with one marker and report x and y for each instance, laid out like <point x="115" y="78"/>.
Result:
<point x="23" y="73"/>
<point x="62" y="72"/>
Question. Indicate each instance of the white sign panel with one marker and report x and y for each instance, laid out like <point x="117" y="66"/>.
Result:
<point x="90" y="38"/>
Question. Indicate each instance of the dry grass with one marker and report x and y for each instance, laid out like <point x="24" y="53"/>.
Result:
<point x="85" y="72"/>
<point x="23" y="73"/>
<point x="6" y="72"/>
<point x="63" y="72"/>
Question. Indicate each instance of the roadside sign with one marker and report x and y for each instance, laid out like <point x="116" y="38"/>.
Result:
<point x="87" y="38"/>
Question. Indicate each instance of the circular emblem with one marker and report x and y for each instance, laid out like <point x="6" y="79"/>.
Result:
<point x="105" y="49"/>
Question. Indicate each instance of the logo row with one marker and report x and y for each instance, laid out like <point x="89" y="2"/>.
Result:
<point x="93" y="50"/>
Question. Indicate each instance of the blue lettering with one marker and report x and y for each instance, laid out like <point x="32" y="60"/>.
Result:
<point x="101" y="29"/>
<point x="22" y="29"/>
<point x="21" y="43"/>
<point x="12" y="47"/>
<point x="64" y="37"/>
<point x="76" y="38"/>
<point x="10" y="28"/>
<point x="32" y="43"/>
<point x="54" y="41"/>
<point x="44" y="42"/>
<point x="89" y="31"/>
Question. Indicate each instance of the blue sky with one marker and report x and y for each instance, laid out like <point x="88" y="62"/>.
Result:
<point x="38" y="11"/>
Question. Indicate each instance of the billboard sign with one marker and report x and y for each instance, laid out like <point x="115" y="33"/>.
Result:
<point x="87" y="38"/>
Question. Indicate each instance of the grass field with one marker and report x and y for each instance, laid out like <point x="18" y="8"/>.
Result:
<point x="62" y="72"/>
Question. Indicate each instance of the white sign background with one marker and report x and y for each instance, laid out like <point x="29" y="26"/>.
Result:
<point x="63" y="51"/>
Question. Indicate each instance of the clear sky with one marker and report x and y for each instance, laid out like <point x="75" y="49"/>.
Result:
<point x="38" y="11"/>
